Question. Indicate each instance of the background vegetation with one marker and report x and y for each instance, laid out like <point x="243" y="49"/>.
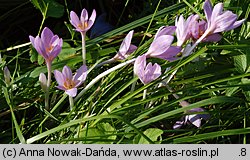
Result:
<point x="215" y="77"/>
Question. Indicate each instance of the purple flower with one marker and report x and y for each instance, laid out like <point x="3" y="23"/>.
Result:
<point x="197" y="29"/>
<point x="165" y="30"/>
<point x="219" y="20"/>
<point x="69" y="83"/>
<point x="161" y="48"/>
<point x="126" y="47"/>
<point x="146" y="73"/>
<point x="84" y="23"/>
<point x="194" y="119"/>
<point x="48" y="46"/>
<point x="182" y="29"/>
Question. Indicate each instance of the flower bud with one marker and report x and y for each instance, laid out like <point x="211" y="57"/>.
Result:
<point x="7" y="75"/>
<point x="43" y="81"/>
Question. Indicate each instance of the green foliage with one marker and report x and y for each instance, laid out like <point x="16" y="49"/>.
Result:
<point x="153" y="133"/>
<point x="50" y="8"/>
<point x="214" y="77"/>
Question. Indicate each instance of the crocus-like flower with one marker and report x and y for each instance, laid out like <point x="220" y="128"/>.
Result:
<point x="126" y="47"/>
<point x="43" y="81"/>
<point x="219" y="20"/>
<point x="146" y="73"/>
<point x="194" y="119"/>
<point x="48" y="46"/>
<point x="182" y="29"/>
<point x="161" y="48"/>
<point x="197" y="29"/>
<point x="84" y="23"/>
<point x="69" y="83"/>
<point x="6" y="72"/>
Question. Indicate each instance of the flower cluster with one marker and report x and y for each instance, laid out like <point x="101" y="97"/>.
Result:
<point x="208" y="30"/>
<point x="192" y="29"/>
<point x="50" y="45"/>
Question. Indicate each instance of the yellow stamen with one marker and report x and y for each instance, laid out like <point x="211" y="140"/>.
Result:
<point x="68" y="84"/>
<point x="49" y="48"/>
<point x="83" y="25"/>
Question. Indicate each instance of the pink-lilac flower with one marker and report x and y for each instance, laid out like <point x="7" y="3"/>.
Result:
<point x="182" y="29"/>
<point x="194" y="119"/>
<point x="161" y="48"/>
<point x="69" y="83"/>
<point x="197" y="29"/>
<point x="84" y="23"/>
<point x="146" y="73"/>
<point x="219" y="20"/>
<point x="126" y="47"/>
<point x="48" y="46"/>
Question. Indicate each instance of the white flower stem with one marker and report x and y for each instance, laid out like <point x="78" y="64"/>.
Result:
<point x="96" y="79"/>
<point x="171" y="76"/>
<point x="83" y="34"/>
<point x="144" y="94"/>
<point x="48" y="85"/>
<point x="71" y="103"/>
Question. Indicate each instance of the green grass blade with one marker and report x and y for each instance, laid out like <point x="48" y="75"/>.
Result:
<point x="136" y="23"/>
<point x="18" y="130"/>
<point x="74" y="122"/>
<point x="213" y="100"/>
<point x="195" y="138"/>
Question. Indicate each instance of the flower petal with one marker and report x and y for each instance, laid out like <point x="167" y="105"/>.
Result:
<point x="213" y="38"/>
<point x="59" y="77"/>
<point x="160" y="45"/>
<point x="224" y="21"/>
<point x="195" y="120"/>
<point x="169" y="54"/>
<point x="235" y="25"/>
<point x="92" y="18"/>
<point x="126" y="43"/>
<point x="165" y="30"/>
<point x="178" y="124"/>
<point x="217" y="10"/>
<point x="139" y="65"/>
<point x="67" y="73"/>
<point x="71" y="92"/>
<point x="54" y="53"/>
<point x="208" y="9"/>
<point x="131" y="49"/>
<point x="81" y="74"/>
<point x="61" y="88"/>
<point x="32" y="40"/>
<point x="151" y="73"/>
<point x="46" y="36"/>
<point x="40" y="48"/>
<point x="84" y="16"/>
<point x="74" y="19"/>
<point x="183" y="29"/>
